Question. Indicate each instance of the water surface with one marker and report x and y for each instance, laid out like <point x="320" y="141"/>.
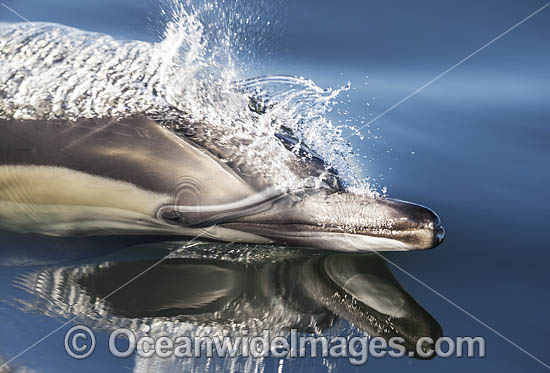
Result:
<point x="473" y="146"/>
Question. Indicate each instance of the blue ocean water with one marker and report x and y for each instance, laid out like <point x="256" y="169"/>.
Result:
<point x="474" y="146"/>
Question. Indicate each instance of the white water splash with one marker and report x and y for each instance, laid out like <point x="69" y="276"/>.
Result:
<point x="202" y="58"/>
<point x="194" y="74"/>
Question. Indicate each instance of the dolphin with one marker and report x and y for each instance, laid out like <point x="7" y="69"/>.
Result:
<point x="138" y="176"/>
<point x="100" y="137"/>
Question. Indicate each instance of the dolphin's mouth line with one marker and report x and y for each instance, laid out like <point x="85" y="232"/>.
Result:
<point x="217" y="214"/>
<point x="304" y="229"/>
<point x="334" y="221"/>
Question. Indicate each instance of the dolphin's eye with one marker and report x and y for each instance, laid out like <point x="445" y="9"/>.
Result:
<point x="172" y="217"/>
<point x="257" y="105"/>
<point x="332" y="181"/>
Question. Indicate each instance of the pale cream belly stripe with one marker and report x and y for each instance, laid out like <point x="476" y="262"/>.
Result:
<point x="58" y="201"/>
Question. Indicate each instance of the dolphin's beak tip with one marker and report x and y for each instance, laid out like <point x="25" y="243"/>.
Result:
<point x="438" y="229"/>
<point x="439" y="235"/>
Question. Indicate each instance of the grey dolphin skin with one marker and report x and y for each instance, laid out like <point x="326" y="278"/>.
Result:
<point x="136" y="176"/>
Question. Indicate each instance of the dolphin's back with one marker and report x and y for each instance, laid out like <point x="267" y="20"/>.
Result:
<point x="49" y="71"/>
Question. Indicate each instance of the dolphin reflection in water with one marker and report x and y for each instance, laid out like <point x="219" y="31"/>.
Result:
<point x="303" y="292"/>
